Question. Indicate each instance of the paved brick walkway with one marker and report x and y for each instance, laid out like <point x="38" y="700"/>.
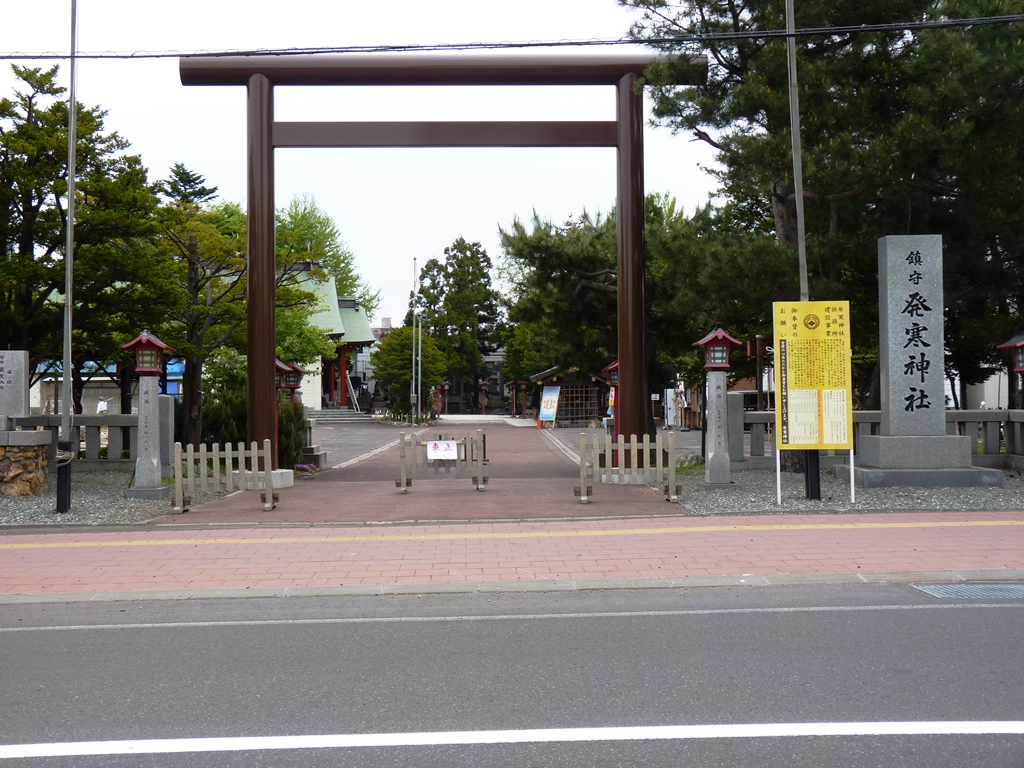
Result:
<point x="525" y="532"/>
<point x="553" y="555"/>
<point x="528" y="478"/>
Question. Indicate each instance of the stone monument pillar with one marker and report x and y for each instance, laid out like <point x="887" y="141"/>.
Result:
<point x="912" y="447"/>
<point x="716" y="461"/>
<point x="13" y="385"/>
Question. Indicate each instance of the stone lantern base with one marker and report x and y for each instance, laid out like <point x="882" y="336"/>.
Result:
<point x="163" y="493"/>
<point x="23" y="463"/>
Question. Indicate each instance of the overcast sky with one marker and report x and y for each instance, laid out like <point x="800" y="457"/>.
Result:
<point x="390" y="205"/>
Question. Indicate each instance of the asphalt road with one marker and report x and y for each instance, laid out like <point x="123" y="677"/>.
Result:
<point x="506" y="669"/>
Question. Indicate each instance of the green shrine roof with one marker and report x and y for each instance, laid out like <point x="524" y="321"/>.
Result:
<point x="327" y="317"/>
<point x="343" y="319"/>
<point x="355" y="323"/>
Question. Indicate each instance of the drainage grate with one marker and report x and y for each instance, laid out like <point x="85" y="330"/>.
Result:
<point x="983" y="591"/>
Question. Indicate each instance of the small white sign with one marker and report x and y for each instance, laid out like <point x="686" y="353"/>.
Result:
<point x="442" y="450"/>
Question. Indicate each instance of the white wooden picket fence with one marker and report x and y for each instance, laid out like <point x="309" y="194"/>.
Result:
<point x="416" y="459"/>
<point x="644" y="462"/>
<point x="214" y="468"/>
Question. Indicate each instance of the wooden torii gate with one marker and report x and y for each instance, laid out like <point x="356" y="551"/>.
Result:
<point x="261" y="73"/>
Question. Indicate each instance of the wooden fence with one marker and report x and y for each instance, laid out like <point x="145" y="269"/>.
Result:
<point x="214" y="468"/>
<point x="644" y="462"/>
<point x="418" y="461"/>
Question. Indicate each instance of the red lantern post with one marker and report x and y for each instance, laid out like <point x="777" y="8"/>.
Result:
<point x="147" y="482"/>
<point x="1015" y="347"/>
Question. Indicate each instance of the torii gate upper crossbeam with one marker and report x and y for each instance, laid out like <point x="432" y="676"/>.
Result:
<point x="261" y="73"/>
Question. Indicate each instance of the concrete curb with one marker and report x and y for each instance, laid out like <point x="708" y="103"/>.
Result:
<point x="379" y="590"/>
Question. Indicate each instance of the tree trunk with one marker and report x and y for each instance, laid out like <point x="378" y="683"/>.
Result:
<point x="77" y="386"/>
<point x="125" y="381"/>
<point x="192" y="400"/>
<point x="952" y="389"/>
<point x="785" y="217"/>
<point x="785" y="234"/>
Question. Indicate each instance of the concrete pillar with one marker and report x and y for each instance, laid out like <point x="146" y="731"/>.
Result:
<point x="734" y="401"/>
<point x="166" y="429"/>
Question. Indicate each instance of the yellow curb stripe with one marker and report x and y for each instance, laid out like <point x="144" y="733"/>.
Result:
<point x="517" y="534"/>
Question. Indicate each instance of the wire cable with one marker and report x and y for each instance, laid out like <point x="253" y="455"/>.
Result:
<point x="696" y="38"/>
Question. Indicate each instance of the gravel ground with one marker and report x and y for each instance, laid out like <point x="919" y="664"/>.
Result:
<point x="754" y="491"/>
<point x="97" y="498"/>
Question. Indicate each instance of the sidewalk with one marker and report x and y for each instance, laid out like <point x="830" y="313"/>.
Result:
<point x="525" y="532"/>
<point x="529" y="477"/>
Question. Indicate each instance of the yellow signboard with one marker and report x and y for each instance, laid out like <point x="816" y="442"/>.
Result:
<point x="813" y="383"/>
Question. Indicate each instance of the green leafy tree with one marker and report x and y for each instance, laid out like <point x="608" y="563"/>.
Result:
<point x="205" y="242"/>
<point x="115" y="286"/>
<point x="291" y="421"/>
<point x="297" y="338"/>
<point x="903" y="133"/>
<point x="304" y="231"/>
<point x="205" y="247"/>
<point x="564" y="278"/>
<point x="225" y="402"/>
<point x="564" y="288"/>
<point x="523" y="347"/>
<point x="186" y="186"/>
<point x="461" y="310"/>
<point x="392" y="365"/>
<point x="309" y="242"/>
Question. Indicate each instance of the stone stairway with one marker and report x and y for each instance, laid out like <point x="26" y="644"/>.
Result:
<point x="340" y="415"/>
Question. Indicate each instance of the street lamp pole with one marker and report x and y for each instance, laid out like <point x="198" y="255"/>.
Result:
<point x="64" y="468"/>
<point x="794" y="125"/>
<point x="419" y="372"/>
<point x="412" y="380"/>
<point x="812" y="472"/>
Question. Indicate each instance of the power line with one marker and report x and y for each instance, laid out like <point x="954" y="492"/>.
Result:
<point x="853" y="29"/>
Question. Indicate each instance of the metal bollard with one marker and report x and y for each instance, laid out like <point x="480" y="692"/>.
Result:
<point x="64" y="458"/>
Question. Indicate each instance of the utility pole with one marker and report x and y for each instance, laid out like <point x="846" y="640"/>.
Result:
<point x="64" y="466"/>
<point x="415" y="307"/>
<point x="812" y="474"/>
<point x="419" y="372"/>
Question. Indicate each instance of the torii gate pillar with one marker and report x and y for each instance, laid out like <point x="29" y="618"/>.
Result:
<point x="261" y="73"/>
<point x="262" y="268"/>
<point x="629" y="223"/>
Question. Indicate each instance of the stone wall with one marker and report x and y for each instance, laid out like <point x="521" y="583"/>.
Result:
<point x="23" y="470"/>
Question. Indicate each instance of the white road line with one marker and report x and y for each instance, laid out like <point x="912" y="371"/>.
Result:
<point x="374" y="452"/>
<point x="367" y="455"/>
<point x="547" y="735"/>
<point x="559" y="445"/>
<point x="510" y="617"/>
